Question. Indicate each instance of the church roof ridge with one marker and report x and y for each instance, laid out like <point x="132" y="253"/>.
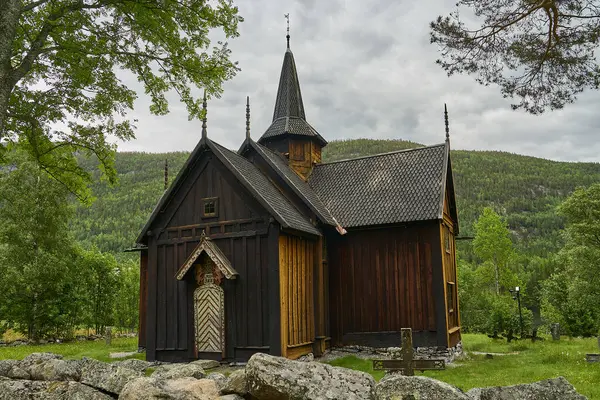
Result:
<point x="381" y="154"/>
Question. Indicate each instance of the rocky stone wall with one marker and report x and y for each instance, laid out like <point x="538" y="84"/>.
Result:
<point x="48" y="376"/>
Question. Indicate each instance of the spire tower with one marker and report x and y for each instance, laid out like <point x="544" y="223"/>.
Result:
<point x="204" y="134"/>
<point x="247" y="117"/>
<point x="446" y="122"/>
<point x="287" y="17"/>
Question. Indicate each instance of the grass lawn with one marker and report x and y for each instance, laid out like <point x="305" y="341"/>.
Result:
<point x="76" y="350"/>
<point x="534" y="362"/>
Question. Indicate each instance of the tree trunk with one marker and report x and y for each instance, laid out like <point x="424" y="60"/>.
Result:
<point x="497" y="279"/>
<point x="10" y="11"/>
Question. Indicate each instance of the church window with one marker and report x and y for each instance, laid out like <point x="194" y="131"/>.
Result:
<point x="447" y="239"/>
<point x="450" y="296"/>
<point x="210" y="207"/>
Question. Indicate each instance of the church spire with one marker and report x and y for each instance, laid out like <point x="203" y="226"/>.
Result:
<point x="204" y="134"/>
<point x="287" y="17"/>
<point x="289" y="98"/>
<point x="446" y="122"/>
<point x="247" y="117"/>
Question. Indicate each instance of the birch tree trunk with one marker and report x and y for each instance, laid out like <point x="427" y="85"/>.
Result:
<point x="9" y="17"/>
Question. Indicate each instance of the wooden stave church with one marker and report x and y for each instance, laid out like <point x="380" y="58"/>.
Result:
<point x="279" y="253"/>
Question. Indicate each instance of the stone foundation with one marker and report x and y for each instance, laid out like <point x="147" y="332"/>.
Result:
<point x="424" y="353"/>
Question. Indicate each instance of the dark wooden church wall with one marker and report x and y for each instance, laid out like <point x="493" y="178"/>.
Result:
<point x="382" y="280"/>
<point x="240" y="230"/>
<point x="143" y="302"/>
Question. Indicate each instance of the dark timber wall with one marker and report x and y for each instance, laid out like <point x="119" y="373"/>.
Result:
<point x="382" y="280"/>
<point x="241" y="230"/>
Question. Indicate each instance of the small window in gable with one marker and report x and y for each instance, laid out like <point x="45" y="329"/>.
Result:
<point x="210" y="207"/>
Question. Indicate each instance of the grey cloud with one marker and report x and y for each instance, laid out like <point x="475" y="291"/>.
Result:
<point x="367" y="70"/>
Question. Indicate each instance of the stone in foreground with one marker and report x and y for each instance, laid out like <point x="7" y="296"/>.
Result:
<point x="55" y="370"/>
<point x="400" y="387"/>
<point x="11" y="369"/>
<point x="107" y="377"/>
<point x="135" y="364"/>
<point x="175" y="371"/>
<point x="236" y="384"/>
<point x="172" y="389"/>
<point x="24" y="389"/>
<point x="549" y="389"/>
<point x="207" y="364"/>
<point x="277" y="378"/>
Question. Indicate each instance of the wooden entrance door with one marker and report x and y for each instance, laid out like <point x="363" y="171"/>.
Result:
<point x="209" y="315"/>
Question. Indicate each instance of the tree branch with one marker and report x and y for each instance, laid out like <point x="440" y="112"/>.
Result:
<point x="31" y="6"/>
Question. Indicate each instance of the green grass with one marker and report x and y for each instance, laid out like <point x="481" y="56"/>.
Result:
<point x="534" y="362"/>
<point x="75" y="350"/>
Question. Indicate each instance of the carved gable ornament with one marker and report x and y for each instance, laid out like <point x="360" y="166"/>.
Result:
<point x="214" y="253"/>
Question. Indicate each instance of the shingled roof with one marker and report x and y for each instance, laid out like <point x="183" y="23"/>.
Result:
<point x="250" y="176"/>
<point x="288" y="116"/>
<point x="401" y="186"/>
<point x="262" y="189"/>
<point x="296" y="184"/>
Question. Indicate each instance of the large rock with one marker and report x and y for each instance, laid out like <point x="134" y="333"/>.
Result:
<point x="135" y="364"/>
<point x="231" y="397"/>
<point x="399" y="387"/>
<point x="175" y="371"/>
<point x="173" y="389"/>
<point x="276" y="378"/>
<point x="549" y="389"/>
<point x="38" y="390"/>
<point x="236" y="384"/>
<point x="36" y="359"/>
<point x="12" y="369"/>
<point x="207" y="364"/>
<point x="108" y="377"/>
<point x="220" y="379"/>
<point x="55" y="370"/>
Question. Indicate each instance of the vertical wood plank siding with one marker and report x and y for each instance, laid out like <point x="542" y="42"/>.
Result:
<point x="296" y="269"/>
<point x="450" y="274"/>
<point x="381" y="281"/>
<point x="170" y="331"/>
<point x="143" y="298"/>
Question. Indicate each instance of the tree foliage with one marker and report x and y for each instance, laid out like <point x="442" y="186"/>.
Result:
<point x="541" y="52"/>
<point x="60" y="89"/>
<point x="493" y="246"/>
<point x="572" y="294"/>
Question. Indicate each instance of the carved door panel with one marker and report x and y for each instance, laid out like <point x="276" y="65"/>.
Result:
<point x="209" y="315"/>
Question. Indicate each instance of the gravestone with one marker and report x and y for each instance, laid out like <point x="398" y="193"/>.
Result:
<point x="407" y="364"/>
<point x="555" y="331"/>
<point x="108" y="335"/>
<point x="592" y="357"/>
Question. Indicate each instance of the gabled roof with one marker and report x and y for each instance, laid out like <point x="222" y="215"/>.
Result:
<point x="251" y="178"/>
<point x="288" y="116"/>
<point x="214" y="253"/>
<point x="295" y="183"/>
<point x="396" y="187"/>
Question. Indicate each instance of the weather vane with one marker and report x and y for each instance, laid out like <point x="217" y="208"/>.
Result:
<point x="287" y="17"/>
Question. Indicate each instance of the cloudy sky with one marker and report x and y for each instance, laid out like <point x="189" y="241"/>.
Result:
<point x="367" y="70"/>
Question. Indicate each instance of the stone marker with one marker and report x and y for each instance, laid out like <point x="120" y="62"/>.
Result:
<point x="108" y="335"/>
<point x="555" y="331"/>
<point x="407" y="364"/>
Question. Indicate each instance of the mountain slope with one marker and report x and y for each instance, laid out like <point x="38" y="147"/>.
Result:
<point x="524" y="189"/>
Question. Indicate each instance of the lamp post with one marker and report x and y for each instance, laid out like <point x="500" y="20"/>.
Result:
<point x="516" y="295"/>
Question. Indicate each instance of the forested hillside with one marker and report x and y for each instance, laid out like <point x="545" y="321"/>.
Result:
<point x="526" y="190"/>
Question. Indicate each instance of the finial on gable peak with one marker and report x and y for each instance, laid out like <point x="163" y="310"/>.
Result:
<point x="446" y="122"/>
<point x="287" y="17"/>
<point x="247" y="117"/>
<point x="204" y="134"/>
<point x="166" y="174"/>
